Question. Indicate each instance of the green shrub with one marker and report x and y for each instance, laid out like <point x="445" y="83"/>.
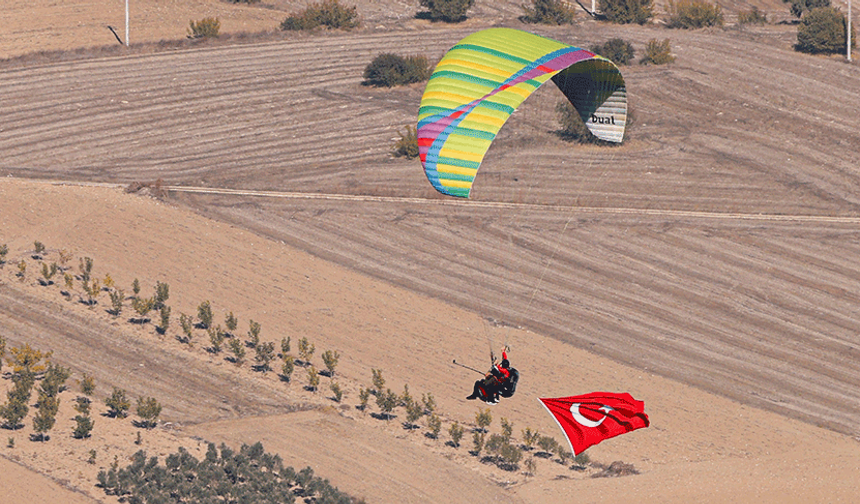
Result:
<point x="205" y="28"/>
<point x="118" y="404"/>
<point x="391" y="70"/>
<point x="288" y="367"/>
<point x="204" y="313"/>
<point x="83" y="426"/>
<point x="572" y="126"/>
<point x="823" y="30"/>
<point x="801" y="7"/>
<point x="148" y="409"/>
<point x="553" y="12"/>
<point x="657" y="53"/>
<point x="328" y="13"/>
<point x="693" y="14"/>
<point x="627" y="11"/>
<point x="450" y="11"/>
<point x="752" y="16"/>
<point x="617" y="50"/>
<point x="407" y="145"/>
<point x="330" y="359"/>
<point x="456" y="432"/>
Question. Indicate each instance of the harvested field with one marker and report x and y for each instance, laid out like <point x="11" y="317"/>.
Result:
<point x="714" y="252"/>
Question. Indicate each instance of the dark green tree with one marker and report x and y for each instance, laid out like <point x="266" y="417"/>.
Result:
<point x="553" y="12"/>
<point x="627" y="11"/>
<point x="823" y="31"/>
<point x="118" y="403"/>
<point x="450" y="11"/>
<point x="801" y="7"/>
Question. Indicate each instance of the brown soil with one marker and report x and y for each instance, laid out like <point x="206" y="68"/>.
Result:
<point x="708" y="266"/>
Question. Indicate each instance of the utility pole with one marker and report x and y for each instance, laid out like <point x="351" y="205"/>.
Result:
<point x="126" y="22"/>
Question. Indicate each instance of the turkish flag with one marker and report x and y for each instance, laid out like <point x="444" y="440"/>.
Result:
<point x="589" y="419"/>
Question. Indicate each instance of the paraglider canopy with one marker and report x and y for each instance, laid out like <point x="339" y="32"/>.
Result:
<point x="480" y="82"/>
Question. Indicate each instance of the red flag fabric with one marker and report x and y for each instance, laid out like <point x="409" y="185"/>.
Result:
<point x="589" y="419"/>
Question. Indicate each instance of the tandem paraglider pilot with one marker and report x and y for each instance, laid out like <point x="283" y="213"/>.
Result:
<point x="501" y="381"/>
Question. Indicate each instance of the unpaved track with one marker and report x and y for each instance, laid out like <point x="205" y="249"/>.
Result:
<point x="764" y="312"/>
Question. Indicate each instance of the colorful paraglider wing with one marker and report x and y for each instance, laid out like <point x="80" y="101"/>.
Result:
<point x="480" y="82"/>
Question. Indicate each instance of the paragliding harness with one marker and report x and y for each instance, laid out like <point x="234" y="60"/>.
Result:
<point x="490" y="386"/>
<point x="510" y="385"/>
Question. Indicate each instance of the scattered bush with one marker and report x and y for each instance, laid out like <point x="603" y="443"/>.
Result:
<point x="387" y="401"/>
<point x="456" y="433"/>
<point x="265" y="354"/>
<point x="238" y="350"/>
<point x="46" y="415"/>
<point x="287" y="368"/>
<point x="752" y="16"/>
<point x="47" y="273"/>
<point x="4" y="250"/>
<point x="313" y="379"/>
<point x="118" y="404"/>
<point x="657" y="53"/>
<point x="483" y="419"/>
<point x="162" y="294"/>
<point x="216" y="339"/>
<point x="434" y="425"/>
<point x="407" y="145"/>
<point x="363" y="398"/>
<point x="164" y="314"/>
<point x="116" y="299"/>
<point x="88" y="384"/>
<point x="204" y="314"/>
<point x="391" y="70"/>
<point x="378" y="381"/>
<point x="231" y="322"/>
<point x="38" y="250"/>
<point x="693" y="14"/>
<point x="83" y="427"/>
<point x="801" y="7"/>
<point x="142" y="306"/>
<point x="330" y="360"/>
<point x="328" y="13"/>
<point x="572" y="126"/>
<point x="627" y="11"/>
<point x="530" y="437"/>
<point x="823" y="31"/>
<point x="306" y="350"/>
<point x="187" y="324"/>
<point x="83" y="405"/>
<point x="618" y="50"/>
<point x="148" y="409"/>
<point x="553" y="12"/>
<point x="337" y="391"/>
<point x="253" y="334"/>
<point x="205" y="28"/>
<point x="450" y="11"/>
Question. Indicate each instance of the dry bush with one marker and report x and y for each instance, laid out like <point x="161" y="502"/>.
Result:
<point x="657" y="53"/>
<point x="553" y="12"/>
<point x="328" y="13"/>
<point x="692" y="14"/>
<point x="205" y="28"/>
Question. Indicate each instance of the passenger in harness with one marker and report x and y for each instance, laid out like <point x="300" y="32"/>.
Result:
<point x="501" y="380"/>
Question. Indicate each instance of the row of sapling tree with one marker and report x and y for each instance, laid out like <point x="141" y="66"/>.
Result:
<point x="498" y="448"/>
<point x="30" y="366"/>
